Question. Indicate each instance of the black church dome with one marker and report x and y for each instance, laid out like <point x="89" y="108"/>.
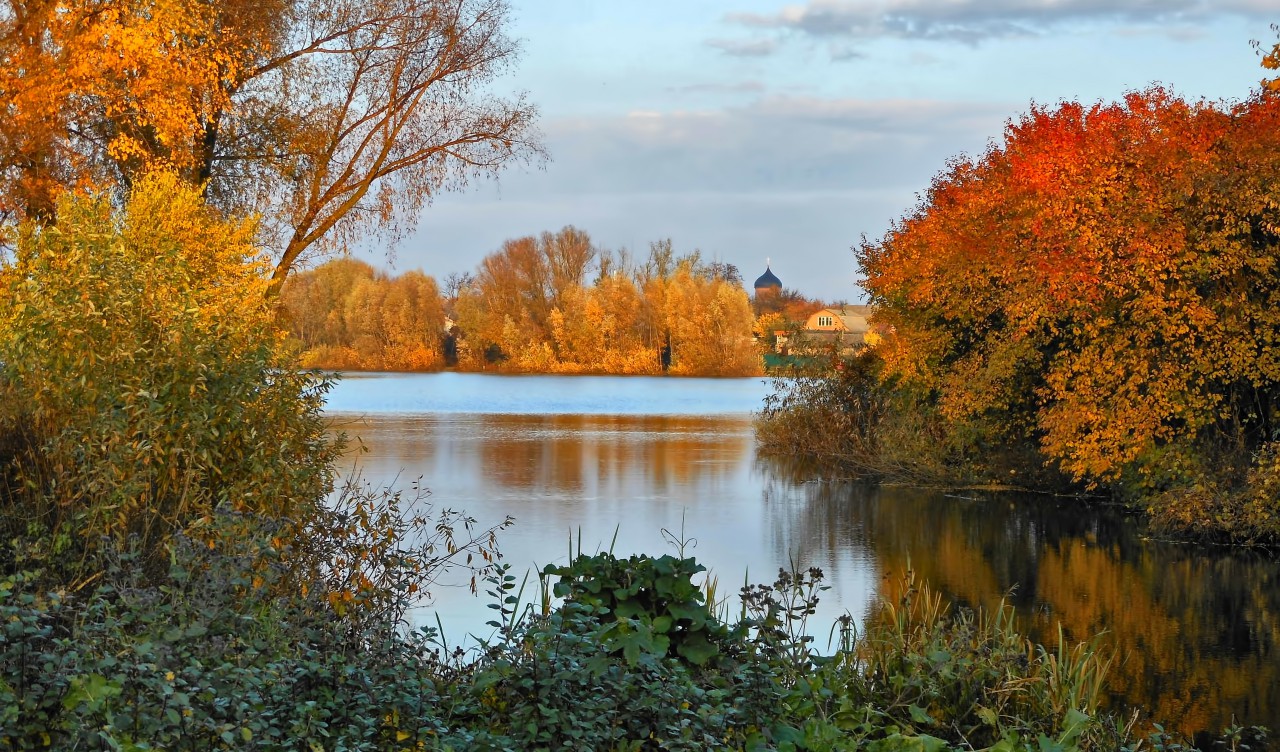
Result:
<point x="767" y="280"/>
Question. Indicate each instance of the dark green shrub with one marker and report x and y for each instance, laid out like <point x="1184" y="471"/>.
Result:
<point x="645" y="605"/>
<point x="207" y="661"/>
<point x="584" y="676"/>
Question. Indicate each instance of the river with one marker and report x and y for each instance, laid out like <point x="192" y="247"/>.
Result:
<point x="635" y="463"/>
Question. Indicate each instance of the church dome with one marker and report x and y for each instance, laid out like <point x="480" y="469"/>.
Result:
<point x="768" y="280"/>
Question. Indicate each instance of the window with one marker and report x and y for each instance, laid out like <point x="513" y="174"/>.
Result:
<point x="824" y="321"/>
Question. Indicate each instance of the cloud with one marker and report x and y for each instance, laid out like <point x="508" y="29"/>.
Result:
<point x="773" y="144"/>
<point x="745" y="47"/>
<point x="739" y="87"/>
<point x="972" y="21"/>
<point x="842" y="51"/>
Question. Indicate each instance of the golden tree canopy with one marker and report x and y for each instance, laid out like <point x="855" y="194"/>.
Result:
<point x="330" y="119"/>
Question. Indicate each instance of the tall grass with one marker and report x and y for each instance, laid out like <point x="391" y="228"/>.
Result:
<point x="968" y="676"/>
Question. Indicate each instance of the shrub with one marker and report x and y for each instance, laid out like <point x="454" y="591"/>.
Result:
<point x="207" y="661"/>
<point x="848" y="421"/>
<point x="147" y="379"/>
<point x="970" y="677"/>
<point x="1242" y="510"/>
<point x="644" y="605"/>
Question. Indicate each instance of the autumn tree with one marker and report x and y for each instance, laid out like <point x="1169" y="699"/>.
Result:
<point x="515" y="290"/>
<point x="710" y="323"/>
<point x="331" y="119"/>
<point x="1104" y="282"/>
<point x="1270" y="61"/>
<point x="314" y="303"/>
<point x="346" y="315"/>
<point x="455" y="283"/>
<point x="599" y="329"/>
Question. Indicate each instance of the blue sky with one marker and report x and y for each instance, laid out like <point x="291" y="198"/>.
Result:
<point x="754" y="129"/>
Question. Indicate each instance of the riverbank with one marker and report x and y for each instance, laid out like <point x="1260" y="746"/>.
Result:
<point x="856" y="421"/>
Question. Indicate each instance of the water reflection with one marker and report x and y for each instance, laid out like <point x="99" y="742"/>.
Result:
<point x="612" y="480"/>
<point x="590" y="456"/>
<point x="1195" y="633"/>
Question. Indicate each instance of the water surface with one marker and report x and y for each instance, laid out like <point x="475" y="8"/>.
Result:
<point x="616" y="461"/>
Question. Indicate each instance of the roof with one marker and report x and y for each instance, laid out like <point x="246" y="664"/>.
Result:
<point x="852" y="318"/>
<point x="768" y="279"/>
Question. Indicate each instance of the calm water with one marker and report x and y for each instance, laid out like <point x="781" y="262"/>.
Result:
<point x="1194" y="632"/>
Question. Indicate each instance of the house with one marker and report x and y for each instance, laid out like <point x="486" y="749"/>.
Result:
<point x="845" y="319"/>
<point x="843" y="327"/>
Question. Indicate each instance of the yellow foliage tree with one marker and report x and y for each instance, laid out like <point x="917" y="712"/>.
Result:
<point x="710" y="323"/>
<point x="350" y="317"/>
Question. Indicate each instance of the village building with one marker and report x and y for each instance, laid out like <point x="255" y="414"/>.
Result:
<point x="843" y="328"/>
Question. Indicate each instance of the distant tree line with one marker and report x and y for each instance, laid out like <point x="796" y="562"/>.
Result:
<point x="554" y="303"/>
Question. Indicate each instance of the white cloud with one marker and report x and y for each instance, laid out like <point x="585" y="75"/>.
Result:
<point x="735" y="87"/>
<point x="775" y="143"/>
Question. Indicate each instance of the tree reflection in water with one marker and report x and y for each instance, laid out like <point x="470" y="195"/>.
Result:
<point x="1194" y="631"/>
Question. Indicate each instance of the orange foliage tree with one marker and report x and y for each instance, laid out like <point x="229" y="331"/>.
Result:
<point x="505" y="315"/>
<point x="1103" y="282"/>
<point x="329" y="119"/>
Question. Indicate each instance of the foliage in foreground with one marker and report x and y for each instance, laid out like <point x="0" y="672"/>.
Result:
<point x="212" y="659"/>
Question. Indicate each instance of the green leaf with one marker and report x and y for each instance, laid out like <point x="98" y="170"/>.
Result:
<point x="92" y="690"/>
<point x="921" y="716"/>
<point x="697" y="650"/>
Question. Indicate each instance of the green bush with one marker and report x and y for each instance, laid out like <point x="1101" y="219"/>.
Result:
<point x="645" y="605"/>
<point x="207" y="661"/>
<point x="215" y="658"/>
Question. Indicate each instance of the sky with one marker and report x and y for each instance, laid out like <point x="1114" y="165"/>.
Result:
<point x="762" y="131"/>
